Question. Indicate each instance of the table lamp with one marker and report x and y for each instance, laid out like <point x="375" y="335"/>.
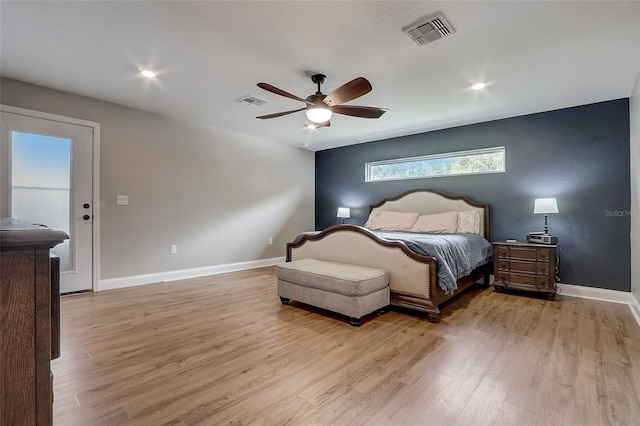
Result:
<point x="344" y="213"/>
<point x="545" y="206"/>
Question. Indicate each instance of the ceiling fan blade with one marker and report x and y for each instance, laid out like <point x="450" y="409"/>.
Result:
<point x="280" y="114"/>
<point x="359" y="111"/>
<point x="348" y="91"/>
<point x="281" y="92"/>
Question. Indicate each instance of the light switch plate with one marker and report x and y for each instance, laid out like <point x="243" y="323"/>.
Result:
<point x="122" y="200"/>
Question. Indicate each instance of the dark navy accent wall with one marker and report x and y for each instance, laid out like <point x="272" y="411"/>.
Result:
<point x="579" y="155"/>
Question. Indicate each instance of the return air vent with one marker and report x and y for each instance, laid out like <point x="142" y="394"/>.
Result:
<point x="432" y="29"/>
<point x="251" y="101"/>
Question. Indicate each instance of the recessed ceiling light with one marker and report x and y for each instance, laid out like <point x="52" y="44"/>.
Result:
<point x="478" y="86"/>
<point x="148" y="74"/>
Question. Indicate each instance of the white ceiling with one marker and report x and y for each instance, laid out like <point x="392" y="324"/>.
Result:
<point x="535" y="56"/>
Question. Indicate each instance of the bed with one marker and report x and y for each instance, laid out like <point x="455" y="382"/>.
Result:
<point x="416" y="278"/>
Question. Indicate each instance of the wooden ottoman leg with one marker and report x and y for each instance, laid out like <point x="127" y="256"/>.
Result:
<point x="285" y="300"/>
<point x="356" y="322"/>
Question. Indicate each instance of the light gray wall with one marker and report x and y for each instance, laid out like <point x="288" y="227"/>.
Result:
<point x="634" y="118"/>
<point x="218" y="195"/>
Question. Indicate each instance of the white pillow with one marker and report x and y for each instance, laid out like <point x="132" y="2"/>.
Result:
<point x="439" y="223"/>
<point x="391" y="221"/>
<point x="468" y="222"/>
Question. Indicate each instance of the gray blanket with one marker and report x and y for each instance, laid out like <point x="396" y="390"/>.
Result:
<point x="457" y="254"/>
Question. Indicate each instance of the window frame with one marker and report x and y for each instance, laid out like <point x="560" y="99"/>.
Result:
<point x="492" y="150"/>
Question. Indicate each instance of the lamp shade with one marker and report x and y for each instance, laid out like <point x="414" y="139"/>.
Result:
<point x="344" y="212"/>
<point x="545" y="205"/>
<point x="318" y="114"/>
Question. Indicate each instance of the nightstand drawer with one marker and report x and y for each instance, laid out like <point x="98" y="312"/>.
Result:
<point x="503" y="265"/>
<point x="523" y="253"/>
<point x="544" y="255"/>
<point x="538" y="268"/>
<point x="547" y="283"/>
<point x="542" y="269"/>
<point x="521" y="266"/>
<point x="503" y="252"/>
<point x="501" y="277"/>
<point x="541" y="254"/>
<point x="520" y="279"/>
<point x="542" y="283"/>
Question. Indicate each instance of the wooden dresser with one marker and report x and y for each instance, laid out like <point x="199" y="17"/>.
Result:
<point x="525" y="266"/>
<point x="27" y="328"/>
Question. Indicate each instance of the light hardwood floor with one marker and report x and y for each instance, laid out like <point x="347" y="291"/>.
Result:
<point x="223" y="350"/>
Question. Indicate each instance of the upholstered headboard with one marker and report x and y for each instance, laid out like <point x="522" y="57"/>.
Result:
<point x="424" y="201"/>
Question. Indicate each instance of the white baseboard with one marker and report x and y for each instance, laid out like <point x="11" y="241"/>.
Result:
<point x="605" y="295"/>
<point x="635" y="310"/>
<point x="136" y="280"/>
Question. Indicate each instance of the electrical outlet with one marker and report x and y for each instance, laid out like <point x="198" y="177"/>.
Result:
<point x="174" y="248"/>
<point x="270" y="241"/>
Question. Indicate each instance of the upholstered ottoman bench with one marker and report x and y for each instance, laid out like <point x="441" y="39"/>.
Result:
<point x="350" y="290"/>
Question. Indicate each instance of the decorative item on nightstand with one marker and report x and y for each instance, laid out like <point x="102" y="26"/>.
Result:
<point x="544" y="206"/>
<point x="344" y="213"/>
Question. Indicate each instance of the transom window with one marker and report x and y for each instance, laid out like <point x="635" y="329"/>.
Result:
<point x="477" y="161"/>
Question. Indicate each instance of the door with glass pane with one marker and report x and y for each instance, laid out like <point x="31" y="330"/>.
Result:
<point x="47" y="178"/>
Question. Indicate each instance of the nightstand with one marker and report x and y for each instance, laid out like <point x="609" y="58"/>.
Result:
<point x="525" y="266"/>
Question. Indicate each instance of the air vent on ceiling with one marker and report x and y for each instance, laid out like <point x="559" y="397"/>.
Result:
<point x="251" y="101"/>
<point x="429" y="30"/>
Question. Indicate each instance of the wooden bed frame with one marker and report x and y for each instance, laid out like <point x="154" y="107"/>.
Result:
<point x="413" y="281"/>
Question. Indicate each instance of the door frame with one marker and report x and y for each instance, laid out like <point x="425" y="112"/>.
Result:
<point x="95" y="202"/>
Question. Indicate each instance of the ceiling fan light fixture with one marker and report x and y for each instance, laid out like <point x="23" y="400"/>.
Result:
<point x="318" y="114"/>
<point x="319" y="107"/>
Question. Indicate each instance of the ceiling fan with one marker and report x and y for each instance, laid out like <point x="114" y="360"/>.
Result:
<point x="319" y="107"/>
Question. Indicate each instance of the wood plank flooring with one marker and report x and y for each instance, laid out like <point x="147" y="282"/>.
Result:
<point x="223" y="350"/>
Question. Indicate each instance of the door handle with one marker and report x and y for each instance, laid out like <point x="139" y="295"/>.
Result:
<point x="86" y="217"/>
